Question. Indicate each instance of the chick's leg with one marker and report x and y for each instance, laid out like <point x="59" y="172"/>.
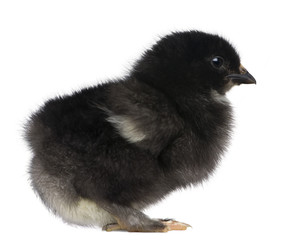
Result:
<point x="132" y="220"/>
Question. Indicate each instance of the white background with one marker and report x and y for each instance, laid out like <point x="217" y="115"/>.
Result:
<point x="54" y="47"/>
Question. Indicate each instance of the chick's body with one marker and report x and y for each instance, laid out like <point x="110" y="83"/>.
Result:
<point x="106" y="152"/>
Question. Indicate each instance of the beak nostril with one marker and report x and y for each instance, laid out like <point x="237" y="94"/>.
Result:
<point x="242" y="69"/>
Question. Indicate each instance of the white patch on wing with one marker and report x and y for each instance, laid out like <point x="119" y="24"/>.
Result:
<point x="219" y="97"/>
<point x="126" y="128"/>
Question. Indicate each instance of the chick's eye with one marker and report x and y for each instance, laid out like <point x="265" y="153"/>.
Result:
<point x="217" y="62"/>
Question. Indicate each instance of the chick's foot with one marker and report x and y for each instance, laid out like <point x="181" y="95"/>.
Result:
<point x="169" y="225"/>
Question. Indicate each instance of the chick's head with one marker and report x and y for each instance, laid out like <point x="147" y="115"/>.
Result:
<point x="184" y="63"/>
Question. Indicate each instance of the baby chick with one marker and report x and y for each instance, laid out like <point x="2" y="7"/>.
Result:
<point x="103" y="154"/>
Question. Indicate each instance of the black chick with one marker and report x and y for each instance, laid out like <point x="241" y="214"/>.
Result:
<point x="104" y="153"/>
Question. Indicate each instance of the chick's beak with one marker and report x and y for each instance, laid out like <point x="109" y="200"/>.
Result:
<point x="244" y="77"/>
